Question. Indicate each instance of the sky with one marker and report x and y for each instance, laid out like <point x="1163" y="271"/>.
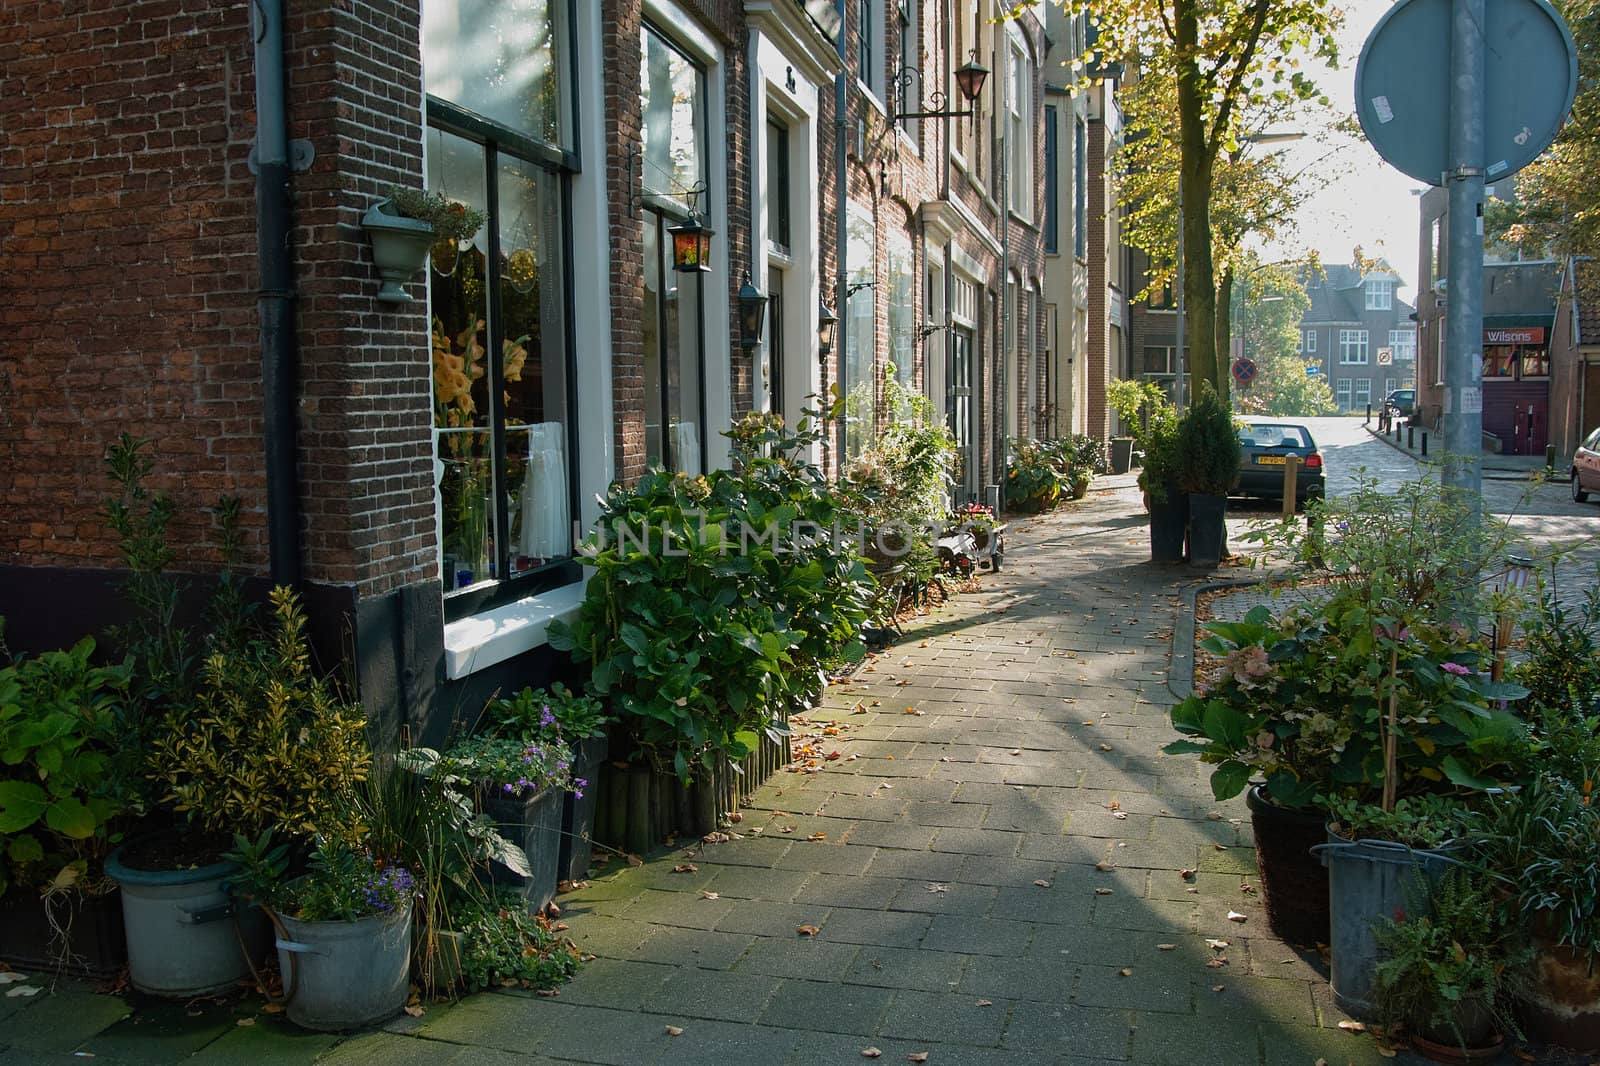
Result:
<point x="1370" y="203"/>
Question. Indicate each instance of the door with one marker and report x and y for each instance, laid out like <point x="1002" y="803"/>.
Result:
<point x="773" y="373"/>
<point x="958" y="406"/>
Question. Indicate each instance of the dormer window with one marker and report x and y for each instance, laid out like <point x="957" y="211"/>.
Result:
<point x="1380" y="294"/>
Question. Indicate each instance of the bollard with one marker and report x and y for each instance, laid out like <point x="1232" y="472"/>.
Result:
<point x="1369" y="414"/>
<point x="1550" y="456"/>
<point x="1411" y="436"/>
<point x="1291" y="469"/>
<point x="1424" y="443"/>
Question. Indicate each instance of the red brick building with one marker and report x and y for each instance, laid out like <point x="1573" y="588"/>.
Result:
<point x="423" y="469"/>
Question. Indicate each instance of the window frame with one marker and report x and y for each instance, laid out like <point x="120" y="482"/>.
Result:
<point x="1341" y="393"/>
<point x="1050" y="227"/>
<point x="779" y="204"/>
<point x="1019" y="120"/>
<point x="1080" y="188"/>
<point x="1410" y="346"/>
<point x="1362" y="392"/>
<point x="563" y="163"/>
<point x="1310" y="342"/>
<point x="1348" y="342"/>
<point x="1380" y="294"/>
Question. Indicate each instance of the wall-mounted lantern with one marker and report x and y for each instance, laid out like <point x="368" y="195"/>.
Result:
<point x="752" y="312"/>
<point x="827" y="321"/>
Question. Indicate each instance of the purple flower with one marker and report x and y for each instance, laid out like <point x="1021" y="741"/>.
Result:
<point x="1455" y="668"/>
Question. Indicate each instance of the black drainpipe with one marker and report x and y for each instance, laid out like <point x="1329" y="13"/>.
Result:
<point x="276" y="295"/>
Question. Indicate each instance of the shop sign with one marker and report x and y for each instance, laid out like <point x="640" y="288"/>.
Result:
<point x="1522" y="335"/>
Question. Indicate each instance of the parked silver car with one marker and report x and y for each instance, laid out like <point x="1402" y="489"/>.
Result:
<point x="1585" y="470"/>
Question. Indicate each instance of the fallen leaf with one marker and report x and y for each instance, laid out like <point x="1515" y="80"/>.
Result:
<point x="1217" y="963"/>
<point x="1126" y="971"/>
<point x="416" y="1010"/>
<point x="1105" y="747"/>
<point x="1042" y="883"/>
<point x="985" y="1003"/>
<point x="23" y="990"/>
<point x="1247" y="888"/>
<point x="673" y="1030"/>
<point x="686" y="868"/>
<point x="710" y="895"/>
<point x="1235" y="916"/>
<point x="1105" y="867"/>
<point x="917" y="1056"/>
<point x="709" y="838"/>
<point x="1216" y="945"/>
<point x="547" y="993"/>
<point x="870" y="1053"/>
<point x="1320" y="1062"/>
<point x="808" y="930"/>
<point x="272" y="1008"/>
<point x="1114" y="805"/>
<point x="1220" y="847"/>
<point x="818" y="836"/>
<point x="934" y="886"/>
<point x="1166" y="947"/>
<point x="1187" y="875"/>
<point x="1218" y="988"/>
<point x="1121" y="816"/>
<point x="7" y="977"/>
<point x="1352" y="1027"/>
<point x="634" y="860"/>
<point x="252" y="1021"/>
<point x="1102" y="892"/>
<point x="736" y="817"/>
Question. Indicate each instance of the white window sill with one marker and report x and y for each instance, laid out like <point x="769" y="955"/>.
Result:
<point x="480" y="641"/>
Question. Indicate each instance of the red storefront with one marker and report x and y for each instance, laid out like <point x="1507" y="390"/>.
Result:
<point x="1516" y="383"/>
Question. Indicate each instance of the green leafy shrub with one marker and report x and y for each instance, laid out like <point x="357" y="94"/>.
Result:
<point x="266" y="743"/>
<point x="1445" y="961"/>
<point x="504" y="944"/>
<point x="64" y="765"/>
<point x="717" y="602"/>
<point x="449" y="218"/>
<point x="343" y="882"/>
<point x="1158" y="441"/>
<point x="1560" y="664"/>
<point x="1035" y="476"/>
<point x="1131" y="397"/>
<point x="573" y="716"/>
<point x="1208" y="446"/>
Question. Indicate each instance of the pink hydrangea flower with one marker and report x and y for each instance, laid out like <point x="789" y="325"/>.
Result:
<point x="1455" y="668"/>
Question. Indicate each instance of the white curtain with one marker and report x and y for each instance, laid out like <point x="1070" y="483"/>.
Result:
<point x="686" y="448"/>
<point x="546" y="516"/>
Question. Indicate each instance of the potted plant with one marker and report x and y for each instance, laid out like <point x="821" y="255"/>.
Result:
<point x="580" y="721"/>
<point x="1034" y="480"/>
<point x="978" y="522"/>
<point x="1167" y="501"/>
<point x="1445" y="960"/>
<point x="1208" y="467"/>
<point x="344" y="930"/>
<point x="1541" y="841"/>
<point x="64" y="769"/>
<point x="262" y="745"/>
<point x="1128" y="397"/>
<point x="405" y="226"/>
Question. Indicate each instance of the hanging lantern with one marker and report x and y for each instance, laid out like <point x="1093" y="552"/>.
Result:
<point x="970" y="77"/>
<point x="443" y="255"/>
<point x="826" y="321"/>
<point x="691" y="245"/>
<point x="752" y="313"/>
<point x="522" y="270"/>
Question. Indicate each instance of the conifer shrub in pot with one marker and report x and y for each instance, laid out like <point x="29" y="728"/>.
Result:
<point x="1158" y="477"/>
<point x="1207" y="468"/>
<point x="263" y="744"/>
<point x="65" y="766"/>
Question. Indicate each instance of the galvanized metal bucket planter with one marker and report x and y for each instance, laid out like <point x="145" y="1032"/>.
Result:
<point x="345" y="975"/>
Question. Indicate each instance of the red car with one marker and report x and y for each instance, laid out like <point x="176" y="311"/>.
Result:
<point x="1586" y="468"/>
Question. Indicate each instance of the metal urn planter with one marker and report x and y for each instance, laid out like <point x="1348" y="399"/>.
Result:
<point x="399" y="249"/>
<point x="345" y="975"/>
<point x="185" y="931"/>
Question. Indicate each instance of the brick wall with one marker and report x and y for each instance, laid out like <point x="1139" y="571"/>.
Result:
<point x="1098" y="417"/>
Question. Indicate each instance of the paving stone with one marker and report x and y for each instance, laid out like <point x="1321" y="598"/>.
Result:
<point x="765" y="918"/>
<point x="730" y="1042"/>
<point x="615" y="983"/>
<point x="944" y="1018"/>
<point x="847" y="860"/>
<point x="753" y="882"/>
<point x="877" y="928"/>
<point x="827" y="1007"/>
<point x="1037" y="1029"/>
<point x="940" y="897"/>
<point x="695" y="993"/>
<point x="922" y="968"/>
<point x="679" y="908"/>
<point x="383" y="1049"/>
<point x="594" y="1034"/>
<point x="808" y="958"/>
<point x="921" y="866"/>
<point x="265" y="1042"/>
<point x="1139" y="982"/>
<point x="867" y="893"/>
<point x="1031" y="977"/>
<point x="979" y="936"/>
<point x="978" y="842"/>
<point x="714" y="951"/>
<point x="63" y="1021"/>
<point x="1170" y="1040"/>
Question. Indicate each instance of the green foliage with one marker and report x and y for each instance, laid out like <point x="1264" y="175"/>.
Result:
<point x="1304" y="701"/>
<point x="1158" y="441"/>
<point x="1130" y="397"/>
<point x="1445" y="960"/>
<point x="514" y="765"/>
<point x="1208" y="446"/>
<point x="1561" y="661"/>
<point x="1283" y="389"/>
<point x="532" y="711"/>
<point x="265" y="743"/>
<point x="344" y="884"/>
<point x="1541" y="841"/>
<point x="1425" y="821"/>
<point x="1040" y="473"/>
<point x="717" y="602"/>
<point x="449" y="218"/>
<point x="504" y="943"/>
<point x="64" y="765"/>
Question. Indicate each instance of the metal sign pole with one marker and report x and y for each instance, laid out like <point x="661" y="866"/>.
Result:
<point x="1462" y="417"/>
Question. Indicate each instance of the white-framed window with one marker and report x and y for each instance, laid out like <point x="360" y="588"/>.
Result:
<point x="1380" y="294"/>
<point x="1389" y="385"/>
<point x="501" y="355"/>
<point x="1080" y="189"/>
<point x="910" y="59"/>
<point x="1353" y="347"/>
<point x="1363" y="392"/>
<point x="1311" y="342"/>
<point x="870" y="57"/>
<point x="1019" y="124"/>
<point x="1403" y="342"/>
<point x="861" y="328"/>
<point x="902" y="269"/>
<point x="1341" y="393"/>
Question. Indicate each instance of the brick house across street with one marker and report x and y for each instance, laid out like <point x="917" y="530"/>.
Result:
<point x="423" y="470"/>
<point x="1361" y="332"/>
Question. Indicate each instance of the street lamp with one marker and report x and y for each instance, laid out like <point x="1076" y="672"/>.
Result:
<point x="826" y="323"/>
<point x="970" y="77"/>
<point x="691" y="245"/>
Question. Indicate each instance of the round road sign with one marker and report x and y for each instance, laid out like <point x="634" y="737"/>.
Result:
<point x="1403" y="85"/>
<point x="1244" y="371"/>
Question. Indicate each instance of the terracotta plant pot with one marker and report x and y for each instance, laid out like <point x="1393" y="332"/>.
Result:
<point x="1560" y="1004"/>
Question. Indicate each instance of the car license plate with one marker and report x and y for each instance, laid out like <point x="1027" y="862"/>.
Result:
<point x="1271" y="460"/>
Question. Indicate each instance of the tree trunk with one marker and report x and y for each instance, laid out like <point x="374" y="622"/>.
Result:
<point x="1224" y="340"/>
<point x="1194" y="191"/>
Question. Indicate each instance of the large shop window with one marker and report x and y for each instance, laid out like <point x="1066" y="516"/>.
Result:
<point x="674" y="150"/>
<point x="498" y="302"/>
<point x="902" y="267"/>
<point x="861" y="330"/>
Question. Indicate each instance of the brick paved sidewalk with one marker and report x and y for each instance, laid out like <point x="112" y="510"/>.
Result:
<point x="995" y="877"/>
